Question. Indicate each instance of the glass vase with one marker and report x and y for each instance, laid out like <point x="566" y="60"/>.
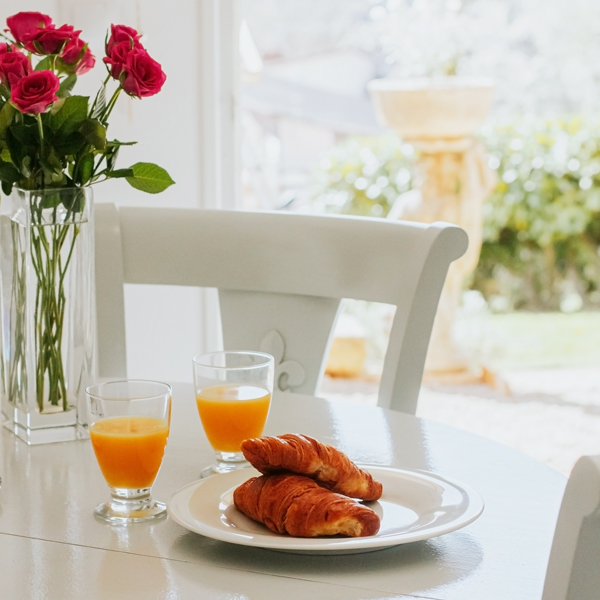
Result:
<point x="48" y="312"/>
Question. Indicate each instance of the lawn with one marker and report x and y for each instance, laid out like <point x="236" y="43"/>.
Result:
<point x="530" y="340"/>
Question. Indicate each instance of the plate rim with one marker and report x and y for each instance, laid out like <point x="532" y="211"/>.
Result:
<point x="473" y="511"/>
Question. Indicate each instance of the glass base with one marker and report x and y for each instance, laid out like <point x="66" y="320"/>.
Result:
<point x="46" y="435"/>
<point x="33" y="428"/>
<point x="130" y="506"/>
<point x="226" y="462"/>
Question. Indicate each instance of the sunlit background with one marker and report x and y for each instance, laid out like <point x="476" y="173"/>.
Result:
<point x="528" y="323"/>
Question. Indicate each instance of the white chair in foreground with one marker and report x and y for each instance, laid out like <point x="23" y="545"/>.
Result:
<point x="574" y="565"/>
<point x="280" y="277"/>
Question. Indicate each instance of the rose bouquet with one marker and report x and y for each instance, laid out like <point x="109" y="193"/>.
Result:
<point x="50" y="138"/>
<point x="53" y="147"/>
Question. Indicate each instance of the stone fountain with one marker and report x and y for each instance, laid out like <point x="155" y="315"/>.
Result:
<point x="438" y="117"/>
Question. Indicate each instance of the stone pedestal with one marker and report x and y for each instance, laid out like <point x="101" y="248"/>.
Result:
<point x="438" y="117"/>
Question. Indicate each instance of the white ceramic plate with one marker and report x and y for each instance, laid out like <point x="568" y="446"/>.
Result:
<point x="415" y="505"/>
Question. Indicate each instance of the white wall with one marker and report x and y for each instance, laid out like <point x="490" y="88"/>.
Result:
<point x="165" y="326"/>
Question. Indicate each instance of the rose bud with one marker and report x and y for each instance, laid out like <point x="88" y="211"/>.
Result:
<point x="77" y="57"/>
<point x="122" y="33"/>
<point x="118" y="58"/>
<point x="87" y="62"/>
<point x="34" y="93"/>
<point x="24" y="24"/>
<point x="13" y="66"/>
<point x="142" y="76"/>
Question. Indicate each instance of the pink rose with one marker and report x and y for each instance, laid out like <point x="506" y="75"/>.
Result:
<point x="118" y="58"/>
<point x="77" y="57"/>
<point x="50" y="40"/>
<point x="86" y="62"/>
<point x="13" y="66"/>
<point x="122" y="33"/>
<point x="24" y="24"/>
<point x="34" y="93"/>
<point x="3" y="48"/>
<point x="142" y="76"/>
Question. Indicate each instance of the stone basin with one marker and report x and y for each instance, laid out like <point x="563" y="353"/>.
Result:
<point x="432" y="107"/>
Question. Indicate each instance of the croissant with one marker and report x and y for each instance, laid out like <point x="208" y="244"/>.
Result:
<point x="306" y="456"/>
<point x="300" y="507"/>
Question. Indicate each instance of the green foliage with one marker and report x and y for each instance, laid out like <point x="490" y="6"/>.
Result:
<point x="65" y="147"/>
<point x="541" y="224"/>
<point x="363" y="176"/>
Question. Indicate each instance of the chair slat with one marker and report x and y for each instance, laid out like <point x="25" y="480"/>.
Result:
<point x="286" y="273"/>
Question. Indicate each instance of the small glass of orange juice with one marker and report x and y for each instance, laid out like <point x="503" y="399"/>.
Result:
<point x="129" y="427"/>
<point x="233" y="395"/>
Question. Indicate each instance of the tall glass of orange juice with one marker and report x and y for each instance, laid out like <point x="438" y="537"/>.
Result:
<point x="129" y="427"/>
<point x="233" y="396"/>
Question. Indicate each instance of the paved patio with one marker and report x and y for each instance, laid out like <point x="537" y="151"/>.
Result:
<point x="550" y="414"/>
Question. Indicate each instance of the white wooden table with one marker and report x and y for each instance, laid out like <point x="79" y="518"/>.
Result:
<point x="52" y="547"/>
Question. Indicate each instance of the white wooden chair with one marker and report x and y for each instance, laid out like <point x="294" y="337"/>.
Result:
<point x="280" y="278"/>
<point x="574" y="564"/>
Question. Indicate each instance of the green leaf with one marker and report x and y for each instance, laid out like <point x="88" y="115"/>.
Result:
<point x="18" y="151"/>
<point x="6" y="116"/>
<point x="66" y="86"/>
<point x="99" y="103"/>
<point x="69" y="118"/>
<point x="94" y="133"/>
<point x="54" y="159"/>
<point x="112" y="151"/>
<point x="70" y="144"/>
<point x="51" y="167"/>
<point x="7" y="187"/>
<point x="45" y="64"/>
<point x="118" y="144"/>
<point x="111" y="154"/>
<point x="149" y="178"/>
<point x="27" y="135"/>
<point x="50" y="199"/>
<point x="84" y="169"/>
<point x="8" y="172"/>
<point x="26" y="166"/>
<point x="120" y="173"/>
<point x="76" y="201"/>
<point x="50" y="176"/>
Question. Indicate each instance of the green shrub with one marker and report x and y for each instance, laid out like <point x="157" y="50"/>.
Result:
<point x="542" y="223"/>
<point x="363" y="176"/>
<point x="541" y="226"/>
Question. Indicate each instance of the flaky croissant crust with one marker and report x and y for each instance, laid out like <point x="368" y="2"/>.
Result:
<point x="300" y="507"/>
<point x="306" y="456"/>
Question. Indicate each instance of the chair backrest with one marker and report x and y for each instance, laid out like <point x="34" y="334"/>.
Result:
<point x="280" y="278"/>
<point x="574" y="564"/>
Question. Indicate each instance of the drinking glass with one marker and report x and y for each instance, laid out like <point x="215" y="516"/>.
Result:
<point x="129" y="427"/>
<point x="233" y="395"/>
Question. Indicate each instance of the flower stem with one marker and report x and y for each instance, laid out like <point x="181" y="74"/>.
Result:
<point x="111" y="104"/>
<point x="17" y="376"/>
<point x="52" y="248"/>
<point x="38" y="118"/>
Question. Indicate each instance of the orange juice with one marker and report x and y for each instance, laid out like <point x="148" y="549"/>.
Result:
<point x="129" y="449"/>
<point x="232" y="413"/>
